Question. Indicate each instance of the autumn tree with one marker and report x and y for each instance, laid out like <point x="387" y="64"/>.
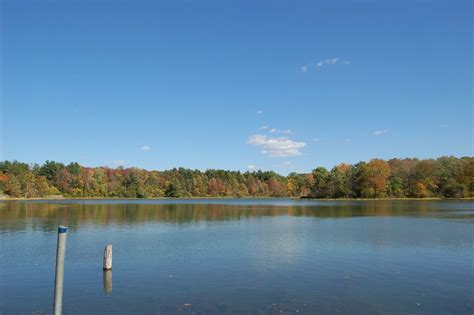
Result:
<point x="374" y="177"/>
<point x="276" y="188"/>
<point x="442" y="177"/>
<point x="10" y="185"/>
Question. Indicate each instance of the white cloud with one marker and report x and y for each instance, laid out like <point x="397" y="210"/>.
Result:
<point x="259" y="112"/>
<point x="285" y="131"/>
<point x="145" y="148"/>
<point x="251" y="167"/>
<point x="276" y="147"/>
<point x="380" y="132"/>
<point x="264" y="127"/>
<point x="332" y="61"/>
<point x="304" y="69"/>
<point x="443" y="126"/>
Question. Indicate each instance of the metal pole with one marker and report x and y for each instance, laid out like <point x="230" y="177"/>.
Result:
<point x="58" y="283"/>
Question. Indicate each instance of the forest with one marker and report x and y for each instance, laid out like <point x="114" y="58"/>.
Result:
<point x="444" y="177"/>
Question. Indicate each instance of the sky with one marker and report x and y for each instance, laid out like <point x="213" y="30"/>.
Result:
<point x="242" y="85"/>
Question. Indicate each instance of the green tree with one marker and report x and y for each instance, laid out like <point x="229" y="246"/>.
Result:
<point x="174" y="190"/>
<point x="447" y="174"/>
<point x="321" y="183"/>
<point x="49" y="170"/>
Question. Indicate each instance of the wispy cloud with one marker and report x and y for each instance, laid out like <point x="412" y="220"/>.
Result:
<point x="285" y="131"/>
<point x="275" y="130"/>
<point x="276" y="147"/>
<point x="380" y="132"/>
<point x="443" y="125"/>
<point x="325" y="63"/>
<point x="259" y="112"/>
<point x="251" y="167"/>
<point x="331" y="62"/>
<point x="316" y="139"/>
<point x="145" y="148"/>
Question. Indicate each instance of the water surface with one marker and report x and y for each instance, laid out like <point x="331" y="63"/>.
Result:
<point x="240" y="256"/>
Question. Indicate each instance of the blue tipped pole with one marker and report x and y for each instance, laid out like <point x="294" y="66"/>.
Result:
<point x="58" y="283"/>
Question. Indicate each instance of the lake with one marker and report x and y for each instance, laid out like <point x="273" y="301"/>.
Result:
<point x="266" y="256"/>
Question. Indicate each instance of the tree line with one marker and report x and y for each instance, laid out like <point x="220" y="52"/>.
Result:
<point x="445" y="177"/>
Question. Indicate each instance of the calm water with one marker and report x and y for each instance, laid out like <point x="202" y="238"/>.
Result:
<point x="241" y="256"/>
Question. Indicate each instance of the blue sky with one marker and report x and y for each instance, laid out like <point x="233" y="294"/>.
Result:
<point x="238" y="85"/>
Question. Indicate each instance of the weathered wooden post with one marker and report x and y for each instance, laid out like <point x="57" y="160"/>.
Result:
<point x="108" y="257"/>
<point x="59" y="279"/>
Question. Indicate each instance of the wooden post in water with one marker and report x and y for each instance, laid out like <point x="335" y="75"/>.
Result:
<point x="59" y="279"/>
<point x="108" y="257"/>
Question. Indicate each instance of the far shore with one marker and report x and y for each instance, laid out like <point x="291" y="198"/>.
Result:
<point x="2" y="198"/>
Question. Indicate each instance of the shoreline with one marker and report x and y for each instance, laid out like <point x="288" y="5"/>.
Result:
<point x="241" y="198"/>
